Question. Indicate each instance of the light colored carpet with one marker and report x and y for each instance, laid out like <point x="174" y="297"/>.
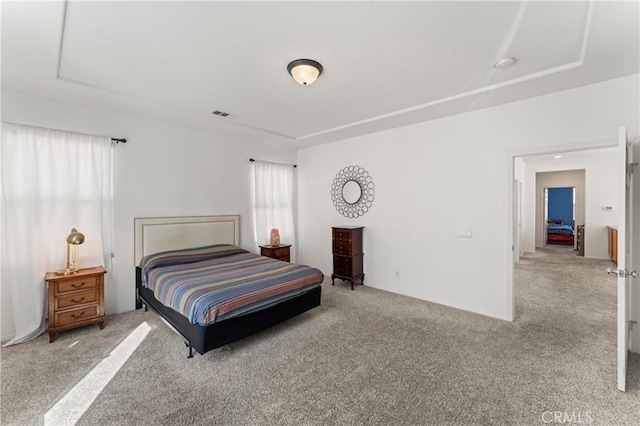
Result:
<point x="363" y="357"/>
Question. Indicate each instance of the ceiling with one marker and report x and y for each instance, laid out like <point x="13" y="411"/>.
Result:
<point x="386" y="64"/>
<point x="562" y="156"/>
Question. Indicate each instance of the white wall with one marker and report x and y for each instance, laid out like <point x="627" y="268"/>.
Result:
<point x="163" y="170"/>
<point x="431" y="179"/>
<point x="436" y="177"/>
<point x="600" y="189"/>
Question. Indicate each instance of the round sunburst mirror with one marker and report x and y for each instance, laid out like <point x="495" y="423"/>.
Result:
<point x="352" y="191"/>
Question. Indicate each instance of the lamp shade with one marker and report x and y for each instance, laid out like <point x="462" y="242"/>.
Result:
<point x="304" y="71"/>
<point x="75" y="238"/>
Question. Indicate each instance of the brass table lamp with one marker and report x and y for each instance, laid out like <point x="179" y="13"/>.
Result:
<point x="76" y="238"/>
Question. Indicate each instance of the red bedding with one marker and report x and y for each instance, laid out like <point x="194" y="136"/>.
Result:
<point x="560" y="238"/>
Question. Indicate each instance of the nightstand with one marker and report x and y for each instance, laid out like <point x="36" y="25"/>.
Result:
<point x="281" y="252"/>
<point x="75" y="300"/>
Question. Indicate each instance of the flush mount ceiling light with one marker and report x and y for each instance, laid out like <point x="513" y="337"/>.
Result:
<point x="504" y="63"/>
<point x="557" y="156"/>
<point x="304" y="71"/>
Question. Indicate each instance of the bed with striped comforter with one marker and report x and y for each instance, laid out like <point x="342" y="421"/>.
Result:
<point x="214" y="283"/>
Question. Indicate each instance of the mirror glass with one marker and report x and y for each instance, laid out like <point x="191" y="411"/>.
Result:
<point x="351" y="192"/>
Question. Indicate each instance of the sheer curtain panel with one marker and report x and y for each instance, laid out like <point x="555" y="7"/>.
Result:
<point x="273" y="202"/>
<point x="51" y="181"/>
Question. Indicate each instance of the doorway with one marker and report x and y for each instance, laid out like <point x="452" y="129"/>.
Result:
<point x="560" y="216"/>
<point x="552" y="281"/>
<point x="534" y="171"/>
<point x="564" y="192"/>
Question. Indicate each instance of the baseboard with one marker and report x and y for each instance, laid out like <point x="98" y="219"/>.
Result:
<point x="597" y="257"/>
<point x="5" y="339"/>
<point x="450" y="305"/>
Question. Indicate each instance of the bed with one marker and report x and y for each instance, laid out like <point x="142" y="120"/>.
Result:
<point x="192" y="272"/>
<point x="559" y="233"/>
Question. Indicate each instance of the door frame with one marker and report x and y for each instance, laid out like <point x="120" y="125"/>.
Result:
<point x="574" y="207"/>
<point x="542" y="186"/>
<point x="544" y="217"/>
<point x="511" y="156"/>
<point x="517" y="220"/>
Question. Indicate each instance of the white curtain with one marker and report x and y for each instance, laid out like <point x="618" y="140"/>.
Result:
<point x="51" y="181"/>
<point x="273" y="202"/>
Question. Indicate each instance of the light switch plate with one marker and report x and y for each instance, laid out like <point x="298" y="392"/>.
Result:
<point x="464" y="233"/>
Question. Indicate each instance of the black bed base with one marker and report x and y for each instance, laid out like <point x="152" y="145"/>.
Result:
<point x="204" y="338"/>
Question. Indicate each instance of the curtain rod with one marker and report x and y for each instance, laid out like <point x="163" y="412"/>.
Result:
<point x="251" y="160"/>
<point x="116" y="140"/>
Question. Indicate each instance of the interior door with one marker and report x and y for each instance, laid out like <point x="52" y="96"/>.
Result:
<point x="624" y="256"/>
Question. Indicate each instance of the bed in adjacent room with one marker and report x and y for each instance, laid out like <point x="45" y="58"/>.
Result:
<point x="191" y="271"/>
<point x="559" y="233"/>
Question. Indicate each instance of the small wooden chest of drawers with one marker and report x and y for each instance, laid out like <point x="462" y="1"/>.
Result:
<point x="75" y="300"/>
<point x="348" y="262"/>
<point x="281" y="252"/>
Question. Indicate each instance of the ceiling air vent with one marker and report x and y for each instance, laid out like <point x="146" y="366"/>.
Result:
<point x="223" y="114"/>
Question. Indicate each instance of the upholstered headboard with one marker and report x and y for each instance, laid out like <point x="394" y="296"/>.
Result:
<point x="156" y="234"/>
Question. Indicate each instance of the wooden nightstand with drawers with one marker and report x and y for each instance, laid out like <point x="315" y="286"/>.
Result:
<point x="75" y="300"/>
<point x="281" y="252"/>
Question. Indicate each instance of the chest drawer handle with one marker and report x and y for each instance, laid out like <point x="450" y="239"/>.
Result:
<point x="77" y="301"/>
<point x="78" y="286"/>
<point x="78" y="316"/>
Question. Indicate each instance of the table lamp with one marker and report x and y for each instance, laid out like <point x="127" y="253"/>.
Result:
<point x="76" y="238"/>
<point x="275" y="237"/>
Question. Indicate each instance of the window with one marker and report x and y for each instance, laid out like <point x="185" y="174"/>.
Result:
<point x="273" y="202"/>
<point x="51" y="181"/>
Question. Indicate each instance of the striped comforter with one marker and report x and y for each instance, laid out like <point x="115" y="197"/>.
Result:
<point x="214" y="283"/>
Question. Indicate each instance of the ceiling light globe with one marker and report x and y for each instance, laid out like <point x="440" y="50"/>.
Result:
<point x="304" y="71"/>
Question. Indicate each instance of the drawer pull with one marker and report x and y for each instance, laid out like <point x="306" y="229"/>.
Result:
<point x="77" y="286"/>
<point x="78" y="316"/>
<point x="77" y="301"/>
